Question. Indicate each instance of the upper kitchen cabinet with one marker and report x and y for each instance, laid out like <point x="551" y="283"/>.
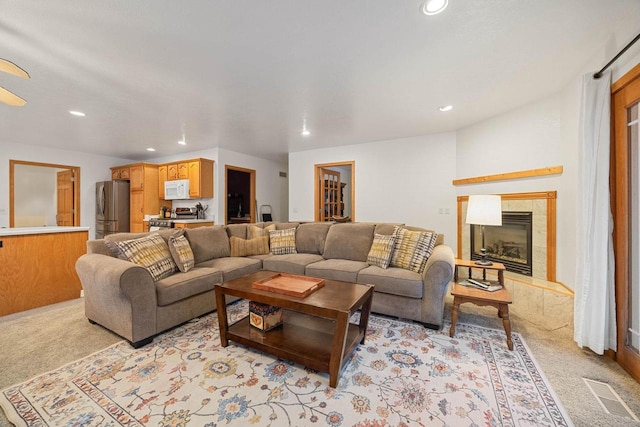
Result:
<point x="201" y="178"/>
<point x="199" y="172"/>
<point x="120" y="173"/>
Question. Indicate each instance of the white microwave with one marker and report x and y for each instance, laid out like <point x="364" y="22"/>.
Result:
<point x="176" y="190"/>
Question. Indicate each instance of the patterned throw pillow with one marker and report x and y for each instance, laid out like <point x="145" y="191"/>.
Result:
<point x="248" y="247"/>
<point x="150" y="252"/>
<point x="181" y="252"/>
<point x="381" y="250"/>
<point x="283" y="242"/>
<point x="413" y="249"/>
<point x="253" y="231"/>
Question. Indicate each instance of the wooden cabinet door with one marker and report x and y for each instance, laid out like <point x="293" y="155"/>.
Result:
<point x="184" y="170"/>
<point x="136" y="214"/>
<point x="115" y="174"/>
<point x="162" y="177"/>
<point x="194" y="178"/>
<point x="136" y="177"/>
<point x="124" y="173"/>
<point x="172" y="172"/>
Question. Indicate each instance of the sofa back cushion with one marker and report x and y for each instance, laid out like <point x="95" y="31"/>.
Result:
<point x="349" y="241"/>
<point x="208" y="242"/>
<point x="311" y="237"/>
<point x="237" y="230"/>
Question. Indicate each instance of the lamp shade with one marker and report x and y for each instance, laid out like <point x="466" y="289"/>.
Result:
<point x="484" y="210"/>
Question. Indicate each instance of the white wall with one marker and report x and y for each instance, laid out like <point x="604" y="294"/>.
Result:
<point x="403" y="180"/>
<point x="271" y="189"/>
<point x="93" y="168"/>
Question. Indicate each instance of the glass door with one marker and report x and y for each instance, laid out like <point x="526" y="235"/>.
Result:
<point x="625" y="184"/>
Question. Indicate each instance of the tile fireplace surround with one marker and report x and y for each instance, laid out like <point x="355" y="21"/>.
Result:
<point x="540" y="296"/>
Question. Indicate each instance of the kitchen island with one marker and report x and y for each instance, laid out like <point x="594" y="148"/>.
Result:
<point x="37" y="266"/>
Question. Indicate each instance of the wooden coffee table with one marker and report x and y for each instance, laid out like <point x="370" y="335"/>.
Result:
<point x="315" y="332"/>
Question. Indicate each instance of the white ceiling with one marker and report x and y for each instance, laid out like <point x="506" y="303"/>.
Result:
<point x="245" y="75"/>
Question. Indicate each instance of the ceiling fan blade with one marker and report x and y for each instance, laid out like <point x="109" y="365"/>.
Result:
<point x="10" y="98"/>
<point x="11" y="68"/>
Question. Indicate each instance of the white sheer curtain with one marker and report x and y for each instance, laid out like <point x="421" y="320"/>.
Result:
<point x="594" y="307"/>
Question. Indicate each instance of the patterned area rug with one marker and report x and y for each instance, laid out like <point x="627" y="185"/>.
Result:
<point x="404" y="375"/>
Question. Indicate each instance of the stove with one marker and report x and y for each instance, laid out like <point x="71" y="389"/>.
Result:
<point x="156" y="223"/>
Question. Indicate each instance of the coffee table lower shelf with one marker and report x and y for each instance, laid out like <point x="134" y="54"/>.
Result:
<point x="301" y="338"/>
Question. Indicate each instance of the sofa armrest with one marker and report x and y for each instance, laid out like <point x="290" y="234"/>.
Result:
<point x="119" y="295"/>
<point x="436" y="277"/>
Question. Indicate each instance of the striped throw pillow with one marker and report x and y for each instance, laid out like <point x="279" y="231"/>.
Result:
<point x="150" y="252"/>
<point x="282" y="242"/>
<point x="248" y="247"/>
<point x="181" y="252"/>
<point x="413" y="249"/>
<point x="254" y="231"/>
<point x="381" y="250"/>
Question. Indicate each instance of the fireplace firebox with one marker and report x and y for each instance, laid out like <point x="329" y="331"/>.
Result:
<point x="510" y="244"/>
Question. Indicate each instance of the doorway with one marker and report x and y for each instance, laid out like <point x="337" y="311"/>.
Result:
<point x="335" y="190"/>
<point x="240" y="188"/>
<point x="43" y="194"/>
<point x="625" y="206"/>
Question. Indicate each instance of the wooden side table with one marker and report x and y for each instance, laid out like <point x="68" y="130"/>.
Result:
<point x="498" y="299"/>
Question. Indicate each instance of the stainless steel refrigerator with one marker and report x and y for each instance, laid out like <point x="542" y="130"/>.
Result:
<point x="112" y="207"/>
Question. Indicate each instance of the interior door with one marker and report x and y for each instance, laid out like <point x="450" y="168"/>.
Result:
<point x="64" y="215"/>
<point x="625" y="183"/>
<point x="329" y="184"/>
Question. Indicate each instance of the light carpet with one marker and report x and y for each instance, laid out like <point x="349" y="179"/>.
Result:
<point x="403" y="375"/>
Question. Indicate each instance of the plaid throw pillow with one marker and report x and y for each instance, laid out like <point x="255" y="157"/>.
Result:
<point x="413" y="249"/>
<point x="150" y="252"/>
<point x="283" y="242"/>
<point x="381" y="250"/>
<point x="181" y="253"/>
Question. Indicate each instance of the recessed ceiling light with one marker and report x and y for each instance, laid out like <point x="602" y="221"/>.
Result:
<point x="433" y="7"/>
<point x="77" y="113"/>
<point x="182" y="142"/>
<point x="305" y="132"/>
<point x="151" y="149"/>
<point x="446" y="108"/>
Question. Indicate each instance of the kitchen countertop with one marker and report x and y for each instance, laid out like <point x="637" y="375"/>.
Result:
<point x="19" y="231"/>
<point x="190" y="221"/>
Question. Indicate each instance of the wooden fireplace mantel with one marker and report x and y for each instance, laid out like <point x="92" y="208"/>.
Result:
<point x="551" y="197"/>
<point x="551" y="170"/>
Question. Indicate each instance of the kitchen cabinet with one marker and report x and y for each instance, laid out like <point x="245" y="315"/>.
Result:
<point x="177" y="224"/>
<point x="199" y="172"/>
<point x="163" y="175"/>
<point x="144" y="197"/>
<point x="201" y="178"/>
<point x="120" y="173"/>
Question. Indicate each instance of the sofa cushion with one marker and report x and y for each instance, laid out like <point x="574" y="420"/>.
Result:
<point x="386" y="228"/>
<point x="248" y="247"/>
<point x="282" y="242"/>
<point x="254" y="231"/>
<point x="181" y="253"/>
<point x="237" y="230"/>
<point x="234" y="267"/>
<point x="291" y="263"/>
<point x="393" y="280"/>
<point x="183" y="285"/>
<point x="336" y="269"/>
<point x="349" y="241"/>
<point x="381" y="250"/>
<point x="310" y="237"/>
<point x="208" y="242"/>
<point x="150" y="252"/>
<point x="412" y="249"/>
<point x="285" y="225"/>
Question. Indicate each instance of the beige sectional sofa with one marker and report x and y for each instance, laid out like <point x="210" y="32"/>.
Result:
<point x="124" y="298"/>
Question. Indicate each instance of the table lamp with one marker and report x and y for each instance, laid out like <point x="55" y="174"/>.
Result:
<point x="484" y="210"/>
